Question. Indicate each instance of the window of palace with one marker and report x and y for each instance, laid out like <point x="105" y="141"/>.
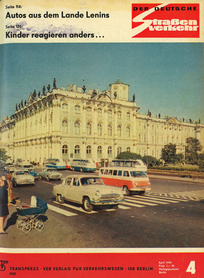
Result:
<point x="128" y="149"/>
<point x="99" y="150"/>
<point x="77" y="149"/>
<point x="64" y="106"/>
<point x="119" y="150"/>
<point x="110" y="113"/>
<point x="64" y="126"/>
<point x="119" y="115"/>
<point x="110" y="130"/>
<point x="119" y="129"/>
<point x="127" y="131"/>
<point x="77" y="128"/>
<point x="77" y="109"/>
<point x="109" y="150"/>
<point x="88" y="110"/>
<point x="99" y="112"/>
<point x="128" y="116"/>
<point x="99" y="128"/>
<point x="88" y="149"/>
<point x="64" y="149"/>
<point x="88" y="129"/>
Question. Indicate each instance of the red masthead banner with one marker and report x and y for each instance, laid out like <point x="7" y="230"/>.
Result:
<point x="165" y="20"/>
<point x="100" y="265"/>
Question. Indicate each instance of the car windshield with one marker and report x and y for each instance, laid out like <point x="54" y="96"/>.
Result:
<point x="91" y="180"/>
<point x="51" y="170"/>
<point x="22" y="173"/>
<point x="137" y="174"/>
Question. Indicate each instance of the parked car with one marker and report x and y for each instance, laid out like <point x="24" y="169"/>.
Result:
<point x="9" y="168"/>
<point x="22" y="177"/>
<point x="50" y="174"/>
<point x="90" y="191"/>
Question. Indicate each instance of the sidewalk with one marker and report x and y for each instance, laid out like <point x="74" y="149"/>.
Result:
<point x="201" y="181"/>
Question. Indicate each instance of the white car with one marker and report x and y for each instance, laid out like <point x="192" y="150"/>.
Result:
<point x="50" y="174"/>
<point x="22" y="177"/>
<point x="89" y="191"/>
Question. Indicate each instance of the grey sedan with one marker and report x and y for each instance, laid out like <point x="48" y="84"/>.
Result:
<point x="50" y="174"/>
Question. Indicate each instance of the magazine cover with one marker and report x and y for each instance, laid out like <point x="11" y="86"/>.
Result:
<point x="101" y="138"/>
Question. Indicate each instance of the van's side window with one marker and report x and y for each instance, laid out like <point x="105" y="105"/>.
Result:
<point x="101" y="171"/>
<point x="115" y="172"/>
<point x="120" y="173"/>
<point x="125" y="174"/>
<point x="110" y="172"/>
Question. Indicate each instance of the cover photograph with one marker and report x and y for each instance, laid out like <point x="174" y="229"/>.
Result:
<point x="101" y="138"/>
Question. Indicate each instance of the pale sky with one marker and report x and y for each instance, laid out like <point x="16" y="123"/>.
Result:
<point x="166" y="78"/>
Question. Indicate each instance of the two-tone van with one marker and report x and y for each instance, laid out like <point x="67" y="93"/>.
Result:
<point x="131" y="180"/>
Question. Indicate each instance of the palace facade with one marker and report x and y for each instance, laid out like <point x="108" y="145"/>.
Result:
<point x="76" y="123"/>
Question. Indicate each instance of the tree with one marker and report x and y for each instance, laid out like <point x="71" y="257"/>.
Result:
<point x="150" y="160"/>
<point x="3" y="155"/>
<point x="192" y="148"/>
<point x="128" y="155"/>
<point x="169" y="153"/>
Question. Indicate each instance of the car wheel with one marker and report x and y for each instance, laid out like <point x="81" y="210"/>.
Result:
<point x="47" y="178"/>
<point x="141" y="192"/>
<point x="125" y="188"/>
<point x="60" y="199"/>
<point x="87" y="205"/>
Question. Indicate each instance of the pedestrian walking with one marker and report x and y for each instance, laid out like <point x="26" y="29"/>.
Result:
<point x="3" y="204"/>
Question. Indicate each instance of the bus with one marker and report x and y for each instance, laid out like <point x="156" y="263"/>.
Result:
<point x="83" y="165"/>
<point x="138" y="164"/>
<point x="132" y="181"/>
<point x="56" y="163"/>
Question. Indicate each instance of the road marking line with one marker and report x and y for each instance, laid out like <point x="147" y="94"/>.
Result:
<point x="134" y="205"/>
<point x="143" y="203"/>
<point x="155" y="201"/>
<point x="180" y="200"/>
<point x="123" y="207"/>
<point x="61" y="211"/>
<point x="76" y="208"/>
<point x="151" y="199"/>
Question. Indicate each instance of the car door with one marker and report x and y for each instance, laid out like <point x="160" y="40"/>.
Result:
<point x="73" y="190"/>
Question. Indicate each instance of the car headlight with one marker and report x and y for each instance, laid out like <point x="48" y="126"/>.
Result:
<point x="135" y="183"/>
<point x="98" y="194"/>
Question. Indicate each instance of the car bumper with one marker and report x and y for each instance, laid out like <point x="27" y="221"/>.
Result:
<point x="25" y="182"/>
<point x="55" y="178"/>
<point x="139" y="189"/>
<point x="106" y="202"/>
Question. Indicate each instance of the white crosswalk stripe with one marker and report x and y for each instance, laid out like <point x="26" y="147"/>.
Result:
<point x="61" y="211"/>
<point x="139" y="202"/>
<point x="163" y="202"/>
<point x="136" y="201"/>
<point x="77" y="208"/>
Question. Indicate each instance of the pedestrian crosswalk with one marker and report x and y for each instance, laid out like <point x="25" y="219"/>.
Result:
<point x="134" y="201"/>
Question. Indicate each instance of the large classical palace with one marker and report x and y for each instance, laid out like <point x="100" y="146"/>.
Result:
<point x="73" y="122"/>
